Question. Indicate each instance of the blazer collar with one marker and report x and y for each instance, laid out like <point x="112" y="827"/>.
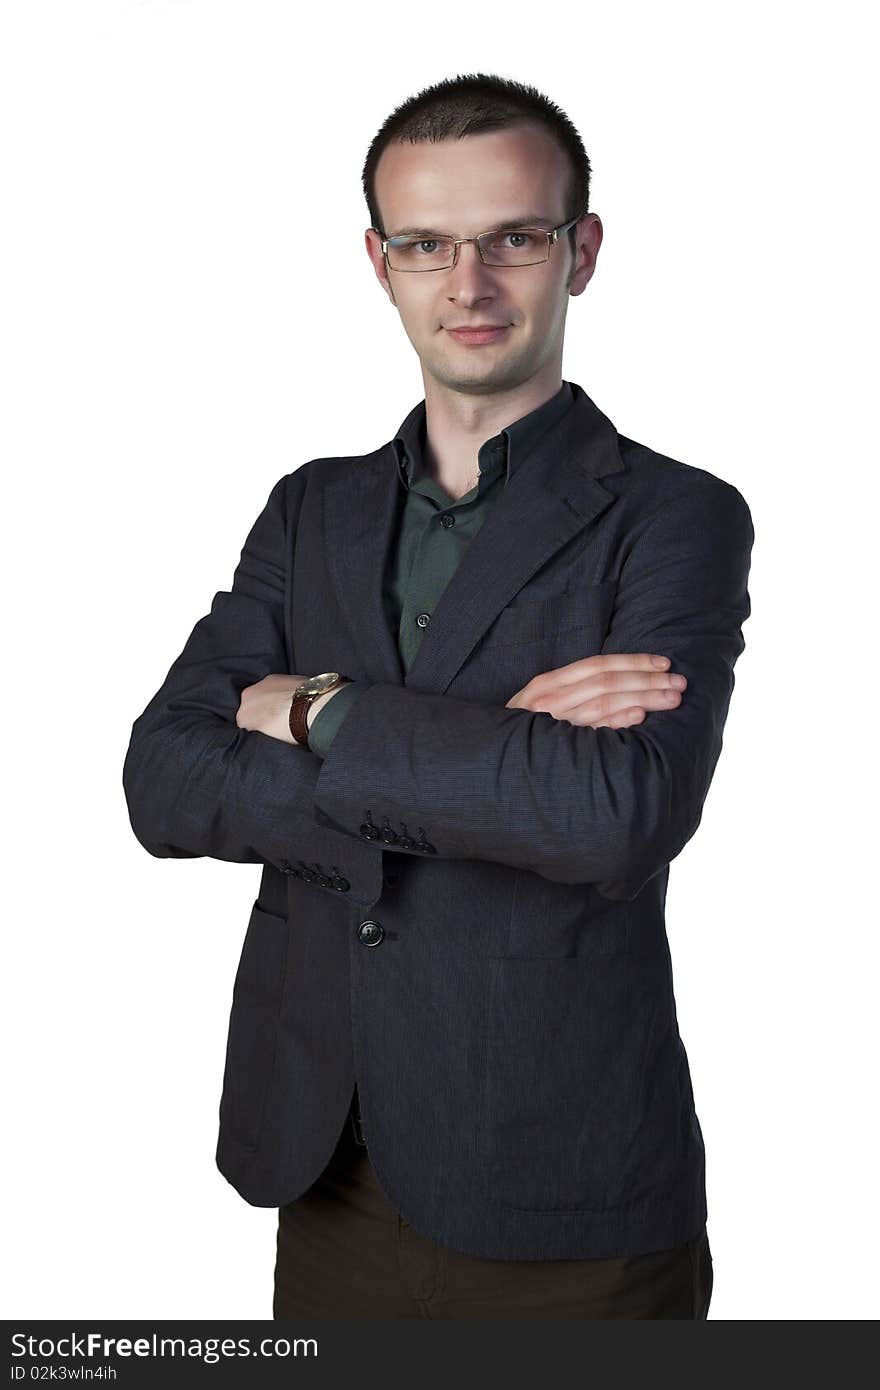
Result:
<point x="554" y="492"/>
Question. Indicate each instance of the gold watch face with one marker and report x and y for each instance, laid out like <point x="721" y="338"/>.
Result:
<point x="315" y="685"/>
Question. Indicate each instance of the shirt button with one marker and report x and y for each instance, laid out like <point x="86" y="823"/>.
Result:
<point x="403" y="458"/>
<point x="423" y="619"/>
<point x="447" y="520"/>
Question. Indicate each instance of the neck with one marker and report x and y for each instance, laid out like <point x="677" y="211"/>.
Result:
<point x="458" y="423"/>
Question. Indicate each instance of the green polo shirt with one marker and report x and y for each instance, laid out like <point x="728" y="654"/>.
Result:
<point x="434" y="533"/>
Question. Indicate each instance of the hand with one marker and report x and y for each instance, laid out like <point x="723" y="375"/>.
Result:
<point x="614" y="690"/>
<point x="266" y="706"/>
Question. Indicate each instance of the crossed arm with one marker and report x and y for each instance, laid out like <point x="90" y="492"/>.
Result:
<point x="614" y="691"/>
<point x="525" y="784"/>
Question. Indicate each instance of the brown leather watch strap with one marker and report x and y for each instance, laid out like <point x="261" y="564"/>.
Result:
<point x="298" y="719"/>
<point x="299" y="711"/>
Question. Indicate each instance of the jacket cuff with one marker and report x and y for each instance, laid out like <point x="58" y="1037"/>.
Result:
<point x="330" y="716"/>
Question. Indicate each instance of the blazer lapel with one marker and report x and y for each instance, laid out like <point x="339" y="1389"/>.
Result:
<point x="360" y="511"/>
<point x="552" y="494"/>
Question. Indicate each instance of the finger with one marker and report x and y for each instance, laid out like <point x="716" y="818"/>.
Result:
<point x="603" y="706"/>
<point x="623" y="719"/>
<point x="620" y="687"/>
<point x="612" y="661"/>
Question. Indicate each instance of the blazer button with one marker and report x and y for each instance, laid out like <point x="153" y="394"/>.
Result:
<point x="370" y="933"/>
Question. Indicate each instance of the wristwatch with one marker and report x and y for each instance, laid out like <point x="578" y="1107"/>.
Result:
<point x="305" y="693"/>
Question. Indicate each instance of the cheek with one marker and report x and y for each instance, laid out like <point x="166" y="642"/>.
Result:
<point x="417" y="324"/>
<point x="413" y="305"/>
<point x="545" y="309"/>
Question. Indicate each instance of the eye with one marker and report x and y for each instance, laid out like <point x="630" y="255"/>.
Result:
<point x="412" y="245"/>
<point x="521" y="240"/>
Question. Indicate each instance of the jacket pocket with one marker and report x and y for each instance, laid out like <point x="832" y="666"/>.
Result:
<point x="530" y="619"/>
<point x="253" y="1026"/>
<point x="581" y="1098"/>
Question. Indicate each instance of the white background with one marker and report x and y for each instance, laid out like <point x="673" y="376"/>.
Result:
<point x="188" y="314"/>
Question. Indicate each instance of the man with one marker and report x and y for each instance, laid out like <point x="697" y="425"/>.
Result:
<point x="464" y="702"/>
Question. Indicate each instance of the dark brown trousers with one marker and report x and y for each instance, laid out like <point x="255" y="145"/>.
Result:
<point x="344" y="1251"/>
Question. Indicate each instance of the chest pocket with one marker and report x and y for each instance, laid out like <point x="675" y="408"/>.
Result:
<point x="578" y="608"/>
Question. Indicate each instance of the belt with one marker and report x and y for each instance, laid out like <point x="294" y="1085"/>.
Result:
<point x="356" y="1125"/>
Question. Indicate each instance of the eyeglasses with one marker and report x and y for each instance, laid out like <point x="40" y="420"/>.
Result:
<point x="512" y="247"/>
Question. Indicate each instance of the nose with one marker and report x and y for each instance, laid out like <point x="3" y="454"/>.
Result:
<point x="469" y="280"/>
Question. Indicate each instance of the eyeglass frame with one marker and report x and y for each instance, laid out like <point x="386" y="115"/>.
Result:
<point x="551" y="235"/>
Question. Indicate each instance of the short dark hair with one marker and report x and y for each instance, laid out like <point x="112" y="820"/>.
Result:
<point x="471" y="103"/>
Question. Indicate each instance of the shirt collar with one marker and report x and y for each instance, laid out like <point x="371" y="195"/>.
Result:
<point x="505" y="450"/>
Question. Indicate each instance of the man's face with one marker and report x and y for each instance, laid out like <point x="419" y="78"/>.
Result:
<point x="517" y="177"/>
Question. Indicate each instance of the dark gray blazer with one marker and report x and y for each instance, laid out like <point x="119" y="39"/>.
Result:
<point x="462" y="907"/>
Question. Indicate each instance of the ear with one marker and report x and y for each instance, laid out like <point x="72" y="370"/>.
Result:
<point x="589" y="239"/>
<point x="373" y="242"/>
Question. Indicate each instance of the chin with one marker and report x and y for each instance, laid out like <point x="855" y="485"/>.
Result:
<point x="481" y="374"/>
<point x="474" y="383"/>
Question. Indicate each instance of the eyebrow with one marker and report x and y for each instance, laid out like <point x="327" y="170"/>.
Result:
<point x="528" y="219"/>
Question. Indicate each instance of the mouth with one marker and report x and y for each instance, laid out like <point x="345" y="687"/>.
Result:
<point x="474" y="337"/>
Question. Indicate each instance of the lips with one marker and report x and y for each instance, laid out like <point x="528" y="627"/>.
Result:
<point x="484" y="333"/>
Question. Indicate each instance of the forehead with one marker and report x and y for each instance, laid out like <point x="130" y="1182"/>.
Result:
<point x="465" y="185"/>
